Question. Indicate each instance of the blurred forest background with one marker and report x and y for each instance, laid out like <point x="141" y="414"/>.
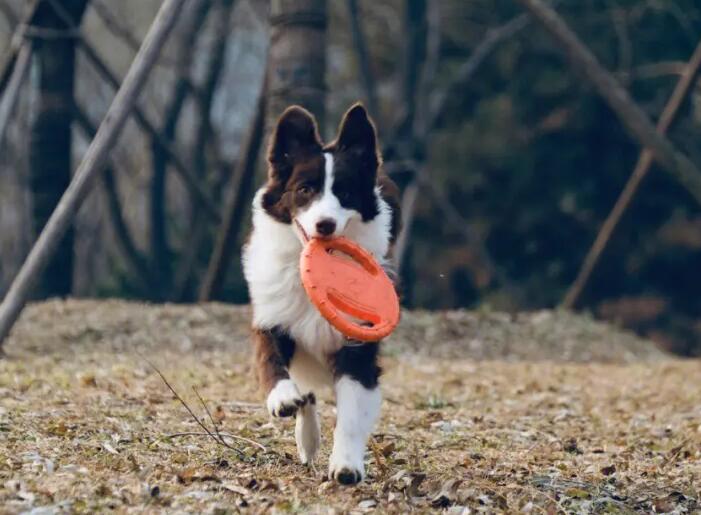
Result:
<point x="509" y="160"/>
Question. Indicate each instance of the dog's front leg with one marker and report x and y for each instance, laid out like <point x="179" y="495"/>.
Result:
<point x="273" y="352"/>
<point x="358" y="400"/>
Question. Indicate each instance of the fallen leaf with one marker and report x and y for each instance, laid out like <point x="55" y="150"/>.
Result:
<point x="447" y="494"/>
<point x="57" y="428"/>
<point x="192" y="474"/>
<point x="608" y="470"/>
<point x="571" y="446"/>
<point x="387" y="449"/>
<point x="416" y="479"/>
<point x="219" y="415"/>
<point x="87" y="380"/>
<point x="663" y="505"/>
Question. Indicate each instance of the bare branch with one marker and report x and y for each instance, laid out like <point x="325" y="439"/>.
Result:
<point x="438" y="106"/>
<point x="103" y="69"/>
<point x="429" y="69"/>
<point x="115" y="26"/>
<point x="203" y="197"/>
<point x="242" y="183"/>
<point x="634" y="119"/>
<point x="363" y="55"/>
<point x="408" y="209"/>
<point x="125" y="241"/>
<point x="639" y="173"/>
<point x="493" y="38"/>
<point x="182" y="88"/>
<point x="16" y="44"/>
<point x="619" y="18"/>
<point x="11" y="93"/>
<point x="204" y="131"/>
<point x="9" y="14"/>
<point x="92" y="164"/>
<point x="655" y="70"/>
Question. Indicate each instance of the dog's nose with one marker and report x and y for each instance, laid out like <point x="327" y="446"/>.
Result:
<point x="326" y="227"/>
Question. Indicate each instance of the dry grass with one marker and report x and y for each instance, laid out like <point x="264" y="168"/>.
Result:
<point x="86" y="425"/>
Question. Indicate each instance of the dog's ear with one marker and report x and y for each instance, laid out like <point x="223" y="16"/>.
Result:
<point x="356" y="135"/>
<point x="296" y="136"/>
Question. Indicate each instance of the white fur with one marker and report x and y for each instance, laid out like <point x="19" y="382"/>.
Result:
<point x="358" y="409"/>
<point x="271" y="268"/>
<point x="307" y="433"/>
<point x="327" y="206"/>
<point x="284" y="394"/>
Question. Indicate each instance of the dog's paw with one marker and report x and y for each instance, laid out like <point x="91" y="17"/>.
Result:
<point x="344" y="470"/>
<point x="347" y="475"/>
<point x="284" y="399"/>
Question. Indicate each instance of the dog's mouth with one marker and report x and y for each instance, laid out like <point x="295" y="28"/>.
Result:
<point x="303" y="236"/>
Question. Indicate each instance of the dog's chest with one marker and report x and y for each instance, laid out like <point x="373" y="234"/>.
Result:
<point x="271" y="266"/>
<point x="278" y="296"/>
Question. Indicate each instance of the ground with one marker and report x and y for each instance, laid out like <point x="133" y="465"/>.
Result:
<point x="546" y="412"/>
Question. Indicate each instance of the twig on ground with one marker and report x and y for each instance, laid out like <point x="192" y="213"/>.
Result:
<point x="216" y="437"/>
<point x="209" y="413"/>
<point x="224" y="435"/>
<point x="380" y="460"/>
<point x="675" y="453"/>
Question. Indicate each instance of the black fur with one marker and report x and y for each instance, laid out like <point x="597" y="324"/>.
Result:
<point x="360" y="362"/>
<point x="285" y="344"/>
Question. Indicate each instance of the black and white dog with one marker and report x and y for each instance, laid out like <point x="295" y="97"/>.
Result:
<point x="320" y="192"/>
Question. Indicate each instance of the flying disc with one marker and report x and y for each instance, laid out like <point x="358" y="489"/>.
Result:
<point x="349" y="288"/>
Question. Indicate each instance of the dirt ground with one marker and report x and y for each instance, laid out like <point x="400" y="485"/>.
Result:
<point x="540" y="413"/>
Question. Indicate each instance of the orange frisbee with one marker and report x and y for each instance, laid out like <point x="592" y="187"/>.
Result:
<point x="349" y="288"/>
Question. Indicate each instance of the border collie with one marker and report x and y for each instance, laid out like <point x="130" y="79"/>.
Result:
<point x="317" y="191"/>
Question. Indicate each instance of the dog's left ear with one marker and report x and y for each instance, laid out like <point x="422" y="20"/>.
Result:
<point x="357" y="135"/>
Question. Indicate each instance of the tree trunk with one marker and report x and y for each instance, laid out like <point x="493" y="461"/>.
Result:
<point x="50" y="139"/>
<point x="93" y="162"/>
<point x="297" y="57"/>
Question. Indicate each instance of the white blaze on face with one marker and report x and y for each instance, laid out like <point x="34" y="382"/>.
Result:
<point x="326" y="207"/>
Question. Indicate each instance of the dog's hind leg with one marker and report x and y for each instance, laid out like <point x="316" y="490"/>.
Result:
<point x="358" y="401"/>
<point x="307" y="431"/>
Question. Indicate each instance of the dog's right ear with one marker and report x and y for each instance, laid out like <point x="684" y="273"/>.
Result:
<point x="296" y="136"/>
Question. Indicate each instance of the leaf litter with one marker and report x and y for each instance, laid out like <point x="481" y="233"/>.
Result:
<point x="86" y="425"/>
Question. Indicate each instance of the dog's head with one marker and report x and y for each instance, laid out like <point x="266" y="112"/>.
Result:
<point x="321" y="189"/>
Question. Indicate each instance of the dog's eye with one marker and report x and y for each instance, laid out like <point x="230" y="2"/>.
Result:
<point x="304" y="189"/>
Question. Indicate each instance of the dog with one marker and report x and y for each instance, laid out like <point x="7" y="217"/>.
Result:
<point x="317" y="191"/>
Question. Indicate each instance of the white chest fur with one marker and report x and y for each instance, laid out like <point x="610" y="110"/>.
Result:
<point x="271" y="268"/>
